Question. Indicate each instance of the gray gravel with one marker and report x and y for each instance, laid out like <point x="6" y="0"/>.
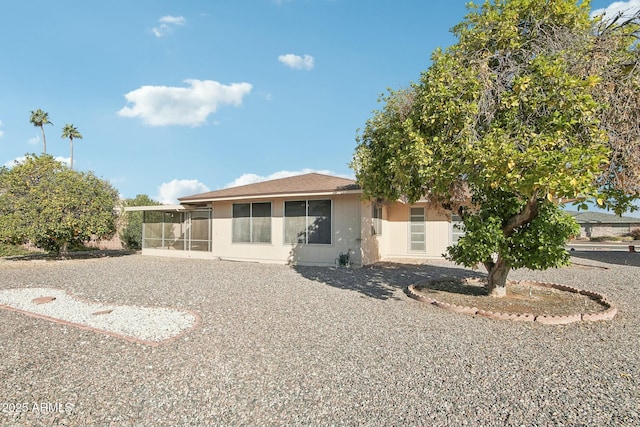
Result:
<point x="313" y="346"/>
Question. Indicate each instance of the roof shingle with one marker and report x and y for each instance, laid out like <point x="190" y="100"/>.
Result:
<point x="300" y="184"/>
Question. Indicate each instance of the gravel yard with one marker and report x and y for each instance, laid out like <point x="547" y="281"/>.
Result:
<point x="315" y="346"/>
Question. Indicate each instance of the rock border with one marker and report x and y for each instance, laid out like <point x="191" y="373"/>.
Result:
<point x="608" y="314"/>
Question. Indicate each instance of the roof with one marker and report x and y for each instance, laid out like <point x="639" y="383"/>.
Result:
<point x="163" y="208"/>
<point x="307" y="184"/>
<point x="602" y="218"/>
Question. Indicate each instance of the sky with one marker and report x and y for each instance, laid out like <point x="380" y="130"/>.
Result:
<point x="175" y="98"/>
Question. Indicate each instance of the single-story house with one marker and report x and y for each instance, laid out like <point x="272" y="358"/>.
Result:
<point x="598" y="224"/>
<point x="306" y="219"/>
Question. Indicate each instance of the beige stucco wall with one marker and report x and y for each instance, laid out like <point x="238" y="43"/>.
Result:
<point x="345" y="235"/>
<point x="351" y="230"/>
<point x="395" y="235"/>
<point x="600" y="230"/>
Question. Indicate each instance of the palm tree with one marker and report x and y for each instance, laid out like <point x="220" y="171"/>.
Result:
<point x="71" y="132"/>
<point x="40" y="118"/>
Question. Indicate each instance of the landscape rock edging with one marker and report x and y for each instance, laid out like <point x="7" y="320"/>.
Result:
<point x="608" y="314"/>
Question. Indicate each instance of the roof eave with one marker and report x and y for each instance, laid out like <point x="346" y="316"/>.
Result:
<point x="154" y="208"/>
<point x="184" y="201"/>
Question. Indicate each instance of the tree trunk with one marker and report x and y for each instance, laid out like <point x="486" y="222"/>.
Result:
<point x="71" y="142"/>
<point x="44" y="139"/>
<point x="64" y="250"/>
<point x="497" y="280"/>
<point x="499" y="270"/>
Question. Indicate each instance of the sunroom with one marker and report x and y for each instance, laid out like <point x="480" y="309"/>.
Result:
<point x="176" y="228"/>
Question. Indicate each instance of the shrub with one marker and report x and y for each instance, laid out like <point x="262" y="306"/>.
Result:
<point x="12" y="250"/>
<point x="606" y="239"/>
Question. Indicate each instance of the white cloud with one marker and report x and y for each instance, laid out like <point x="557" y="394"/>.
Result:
<point x="34" y="141"/>
<point x="626" y="8"/>
<point x="174" y="20"/>
<point x="21" y="159"/>
<point x="251" y="178"/>
<point x="187" y="106"/>
<point x="297" y="62"/>
<point x="12" y="163"/>
<point x="168" y="192"/>
<point x="167" y="23"/>
<point x="65" y="160"/>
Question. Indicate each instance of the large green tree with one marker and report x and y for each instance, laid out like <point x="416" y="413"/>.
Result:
<point x="506" y="119"/>
<point x="71" y="132"/>
<point x="44" y="202"/>
<point x="131" y="229"/>
<point x="40" y="118"/>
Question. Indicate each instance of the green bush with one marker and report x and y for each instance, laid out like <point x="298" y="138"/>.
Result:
<point x="131" y="230"/>
<point x="608" y="239"/>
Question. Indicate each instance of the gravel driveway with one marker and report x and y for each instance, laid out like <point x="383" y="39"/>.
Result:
<point x="314" y="346"/>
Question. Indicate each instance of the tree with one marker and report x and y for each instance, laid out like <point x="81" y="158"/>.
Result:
<point x="40" y="118"/>
<point x="45" y="203"/>
<point x="131" y="232"/>
<point x="506" y="117"/>
<point x="615" y="56"/>
<point x="71" y="132"/>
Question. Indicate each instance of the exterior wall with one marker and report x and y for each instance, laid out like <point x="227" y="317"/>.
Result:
<point x="111" y="244"/>
<point x="352" y="230"/>
<point x="602" y="229"/>
<point x="345" y="235"/>
<point x="178" y="253"/>
<point x="395" y="243"/>
<point x="372" y="245"/>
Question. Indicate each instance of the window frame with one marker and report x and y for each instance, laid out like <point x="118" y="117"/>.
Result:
<point x="456" y="231"/>
<point x="376" y="219"/>
<point x="251" y="224"/>
<point x="424" y="230"/>
<point x="307" y="224"/>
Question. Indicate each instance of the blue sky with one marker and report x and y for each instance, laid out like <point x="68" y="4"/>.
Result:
<point x="179" y="97"/>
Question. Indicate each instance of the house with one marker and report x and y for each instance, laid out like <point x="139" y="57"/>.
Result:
<point x="598" y="224"/>
<point x="306" y="219"/>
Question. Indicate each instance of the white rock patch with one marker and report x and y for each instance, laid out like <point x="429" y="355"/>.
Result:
<point x="141" y="323"/>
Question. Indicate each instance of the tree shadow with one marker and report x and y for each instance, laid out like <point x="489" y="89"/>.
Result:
<point x="381" y="280"/>
<point x="455" y="286"/>
<point x="610" y="257"/>
<point x="98" y="253"/>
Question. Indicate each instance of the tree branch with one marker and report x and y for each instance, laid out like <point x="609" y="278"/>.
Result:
<point x="529" y="212"/>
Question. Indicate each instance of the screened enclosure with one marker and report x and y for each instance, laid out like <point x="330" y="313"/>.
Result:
<point x="184" y="230"/>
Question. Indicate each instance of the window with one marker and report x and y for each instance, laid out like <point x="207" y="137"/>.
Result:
<point x="251" y="223"/>
<point x="457" y="228"/>
<point x="376" y="219"/>
<point x="417" y="230"/>
<point x="308" y="221"/>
